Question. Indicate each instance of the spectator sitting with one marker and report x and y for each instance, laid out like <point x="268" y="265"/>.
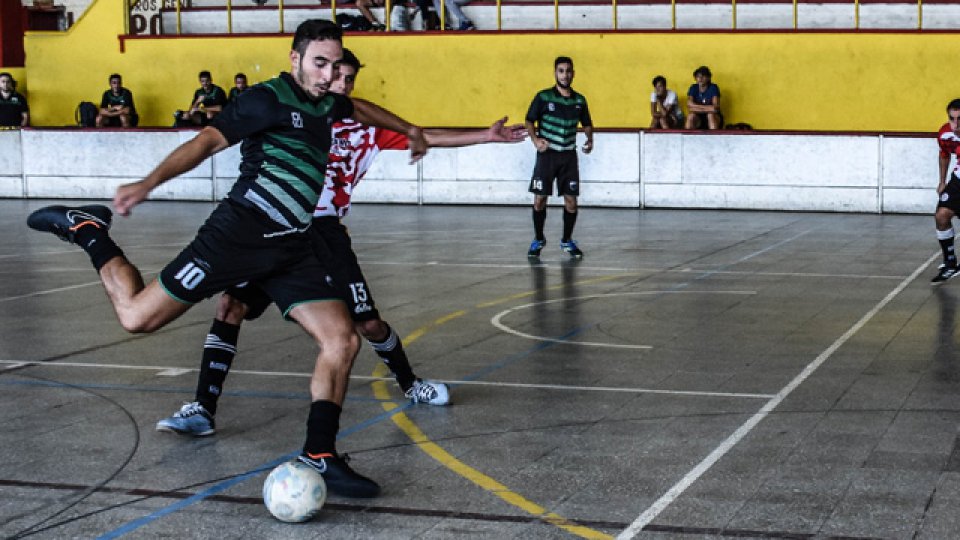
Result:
<point x="14" y="111"/>
<point x="453" y="7"/>
<point x="703" y="102"/>
<point x="664" y="106"/>
<point x="239" y="86"/>
<point x="116" y="106"/>
<point x="364" y="7"/>
<point x="208" y="101"/>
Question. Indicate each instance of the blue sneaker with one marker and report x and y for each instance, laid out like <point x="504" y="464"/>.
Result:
<point x="191" y="419"/>
<point x="535" y="248"/>
<point x="429" y="392"/>
<point x="571" y="248"/>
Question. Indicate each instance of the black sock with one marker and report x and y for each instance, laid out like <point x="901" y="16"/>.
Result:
<point x="218" y="353"/>
<point x="569" y="220"/>
<point x="390" y="350"/>
<point x="946" y="246"/>
<point x="98" y="245"/>
<point x="322" y="427"/>
<point x="539" y="218"/>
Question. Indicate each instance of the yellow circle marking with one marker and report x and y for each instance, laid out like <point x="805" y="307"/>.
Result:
<point x="434" y="450"/>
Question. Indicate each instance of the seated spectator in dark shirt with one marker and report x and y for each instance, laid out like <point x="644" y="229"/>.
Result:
<point x="703" y="102"/>
<point x="208" y="101"/>
<point x="116" y="106"/>
<point x="239" y="86"/>
<point x="13" y="106"/>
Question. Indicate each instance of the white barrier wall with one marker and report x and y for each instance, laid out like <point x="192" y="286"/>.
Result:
<point x="729" y="170"/>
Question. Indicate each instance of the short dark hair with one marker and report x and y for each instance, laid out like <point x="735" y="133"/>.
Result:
<point x="562" y="60"/>
<point x="115" y="76"/>
<point x="238" y="75"/>
<point x="203" y="74"/>
<point x="351" y="60"/>
<point x="703" y="70"/>
<point x="7" y="73"/>
<point x="659" y="79"/>
<point x="954" y="105"/>
<point x="314" y="30"/>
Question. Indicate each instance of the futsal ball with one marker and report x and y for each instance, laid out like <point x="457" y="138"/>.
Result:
<point x="294" y="492"/>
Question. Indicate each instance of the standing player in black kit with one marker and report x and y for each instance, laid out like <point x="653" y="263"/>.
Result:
<point x="552" y="124"/>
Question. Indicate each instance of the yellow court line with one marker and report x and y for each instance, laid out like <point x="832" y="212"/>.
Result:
<point x="434" y="450"/>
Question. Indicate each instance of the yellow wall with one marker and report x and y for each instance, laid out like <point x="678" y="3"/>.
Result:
<point x="796" y="81"/>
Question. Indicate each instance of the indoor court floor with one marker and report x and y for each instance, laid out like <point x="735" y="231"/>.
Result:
<point x="699" y="374"/>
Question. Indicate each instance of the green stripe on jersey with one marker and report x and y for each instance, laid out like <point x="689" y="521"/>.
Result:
<point x="302" y="216"/>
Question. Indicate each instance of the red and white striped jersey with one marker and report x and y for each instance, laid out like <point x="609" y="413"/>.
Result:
<point x="948" y="140"/>
<point x="351" y="155"/>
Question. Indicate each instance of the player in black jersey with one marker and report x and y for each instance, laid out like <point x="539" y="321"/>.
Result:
<point x="258" y="232"/>
<point x="552" y="124"/>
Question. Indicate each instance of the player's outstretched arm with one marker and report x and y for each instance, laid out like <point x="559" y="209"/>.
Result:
<point x="497" y="132"/>
<point x="375" y="115"/>
<point x="184" y="158"/>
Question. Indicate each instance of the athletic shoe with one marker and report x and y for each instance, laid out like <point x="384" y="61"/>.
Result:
<point x="535" y="248"/>
<point x="429" y="392"/>
<point x="466" y="25"/>
<point x="339" y="477"/>
<point x="946" y="272"/>
<point x="191" y="419"/>
<point x="64" y="221"/>
<point x="571" y="248"/>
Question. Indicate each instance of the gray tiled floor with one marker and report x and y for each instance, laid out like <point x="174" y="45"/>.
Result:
<point x="557" y="408"/>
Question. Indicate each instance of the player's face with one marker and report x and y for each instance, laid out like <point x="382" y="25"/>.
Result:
<point x="316" y="69"/>
<point x="564" y="75"/>
<point x="660" y="88"/>
<point x="6" y="85"/>
<point x="954" y="116"/>
<point x="240" y="83"/>
<point x="205" y="83"/>
<point x="115" y="85"/>
<point x="343" y="84"/>
<point x="702" y="80"/>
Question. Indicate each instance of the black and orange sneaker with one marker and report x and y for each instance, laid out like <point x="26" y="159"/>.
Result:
<point x="339" y="477"/>
<point x="65" y="221"/>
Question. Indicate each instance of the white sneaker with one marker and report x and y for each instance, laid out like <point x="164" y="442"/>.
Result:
<point x="429" y="392"/>
<point x="191" y="419"/>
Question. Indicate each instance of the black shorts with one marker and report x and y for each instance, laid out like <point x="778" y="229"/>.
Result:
<point x="331" y="243"/>
<point x="704" y="123"/>
<point x="950" y="198"/>
<point x="561" y="166"/>
<point x="239" y="244"/>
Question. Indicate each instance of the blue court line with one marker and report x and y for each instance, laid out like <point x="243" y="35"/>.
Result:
<point x="226" y="484"/>
<point x="129" y="527"/>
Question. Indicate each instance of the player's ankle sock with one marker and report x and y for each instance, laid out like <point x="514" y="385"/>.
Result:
<point x="97" y="243"/>
<point x="569" y="220"/>
<point x="322" y="427"/>
<point x="946" y="246"/>
<point x="218" y="353"/>
<point x="539" y="219"/>
<point x="390" y="350"/>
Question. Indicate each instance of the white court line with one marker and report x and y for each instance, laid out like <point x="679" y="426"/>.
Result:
<point x="168" y="371"/>
<point x="62" y="289"/>
<point x="631" y="270"/>
<point x="495" y="320"/>
<point x="674" y="492"/>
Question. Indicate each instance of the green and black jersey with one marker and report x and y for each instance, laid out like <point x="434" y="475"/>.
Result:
<point x="286" y="140"/>
<point x="557" y="117"/>
<point x="216" y="96"/>
<point x="123" y="99"/>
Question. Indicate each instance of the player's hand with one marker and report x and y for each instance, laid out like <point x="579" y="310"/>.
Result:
<point x="587" y="147"/>
<point x="940" y="187"/>
<point x="541" y="144"/>
<point x="418" y="144"/>
<point x="128" y="196"/>
<point x="499" y="132"/>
